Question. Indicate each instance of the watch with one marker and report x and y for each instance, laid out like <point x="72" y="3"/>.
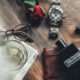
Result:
<point x="55" y="14"/>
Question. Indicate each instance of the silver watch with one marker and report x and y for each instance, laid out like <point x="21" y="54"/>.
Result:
<point x="55" y="13"/>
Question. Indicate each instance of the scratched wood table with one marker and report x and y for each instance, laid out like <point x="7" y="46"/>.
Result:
<point x="12" y="15"/>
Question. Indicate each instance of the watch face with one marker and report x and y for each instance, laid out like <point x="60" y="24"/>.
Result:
<point x="55" y="15"/>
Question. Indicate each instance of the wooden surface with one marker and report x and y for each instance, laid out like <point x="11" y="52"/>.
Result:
<point x="12" y="15"/>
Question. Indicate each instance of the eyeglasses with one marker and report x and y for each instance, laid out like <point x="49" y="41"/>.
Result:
<point x="20" y="32"/>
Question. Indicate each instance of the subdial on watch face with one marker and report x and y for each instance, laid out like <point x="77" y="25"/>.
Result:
<point x="55" y="15"/>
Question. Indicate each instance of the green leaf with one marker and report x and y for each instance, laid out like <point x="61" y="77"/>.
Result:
<point x="30" y="4"/>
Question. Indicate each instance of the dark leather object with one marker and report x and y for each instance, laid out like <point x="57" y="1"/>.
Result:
<point x="77" y="30"/>
<point x="51" y="66"/>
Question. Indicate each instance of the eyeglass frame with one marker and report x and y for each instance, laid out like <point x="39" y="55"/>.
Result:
<point x="10" y="32"/>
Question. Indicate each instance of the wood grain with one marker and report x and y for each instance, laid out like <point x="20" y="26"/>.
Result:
<point x="11" y="15"/>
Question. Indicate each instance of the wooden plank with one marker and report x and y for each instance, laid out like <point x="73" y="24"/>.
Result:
<point x="8" y="14"/>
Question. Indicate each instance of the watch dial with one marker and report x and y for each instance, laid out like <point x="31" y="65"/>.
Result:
<point x="55" y="15"/>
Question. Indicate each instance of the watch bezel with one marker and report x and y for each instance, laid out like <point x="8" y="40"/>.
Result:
<point x="55" y="10"/>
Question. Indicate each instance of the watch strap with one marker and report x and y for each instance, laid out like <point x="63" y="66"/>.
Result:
<point x="54" y="29"/>
<point x="56" y="2"/>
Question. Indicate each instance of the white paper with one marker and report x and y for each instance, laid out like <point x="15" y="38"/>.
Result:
<point x="32" y="54"/>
